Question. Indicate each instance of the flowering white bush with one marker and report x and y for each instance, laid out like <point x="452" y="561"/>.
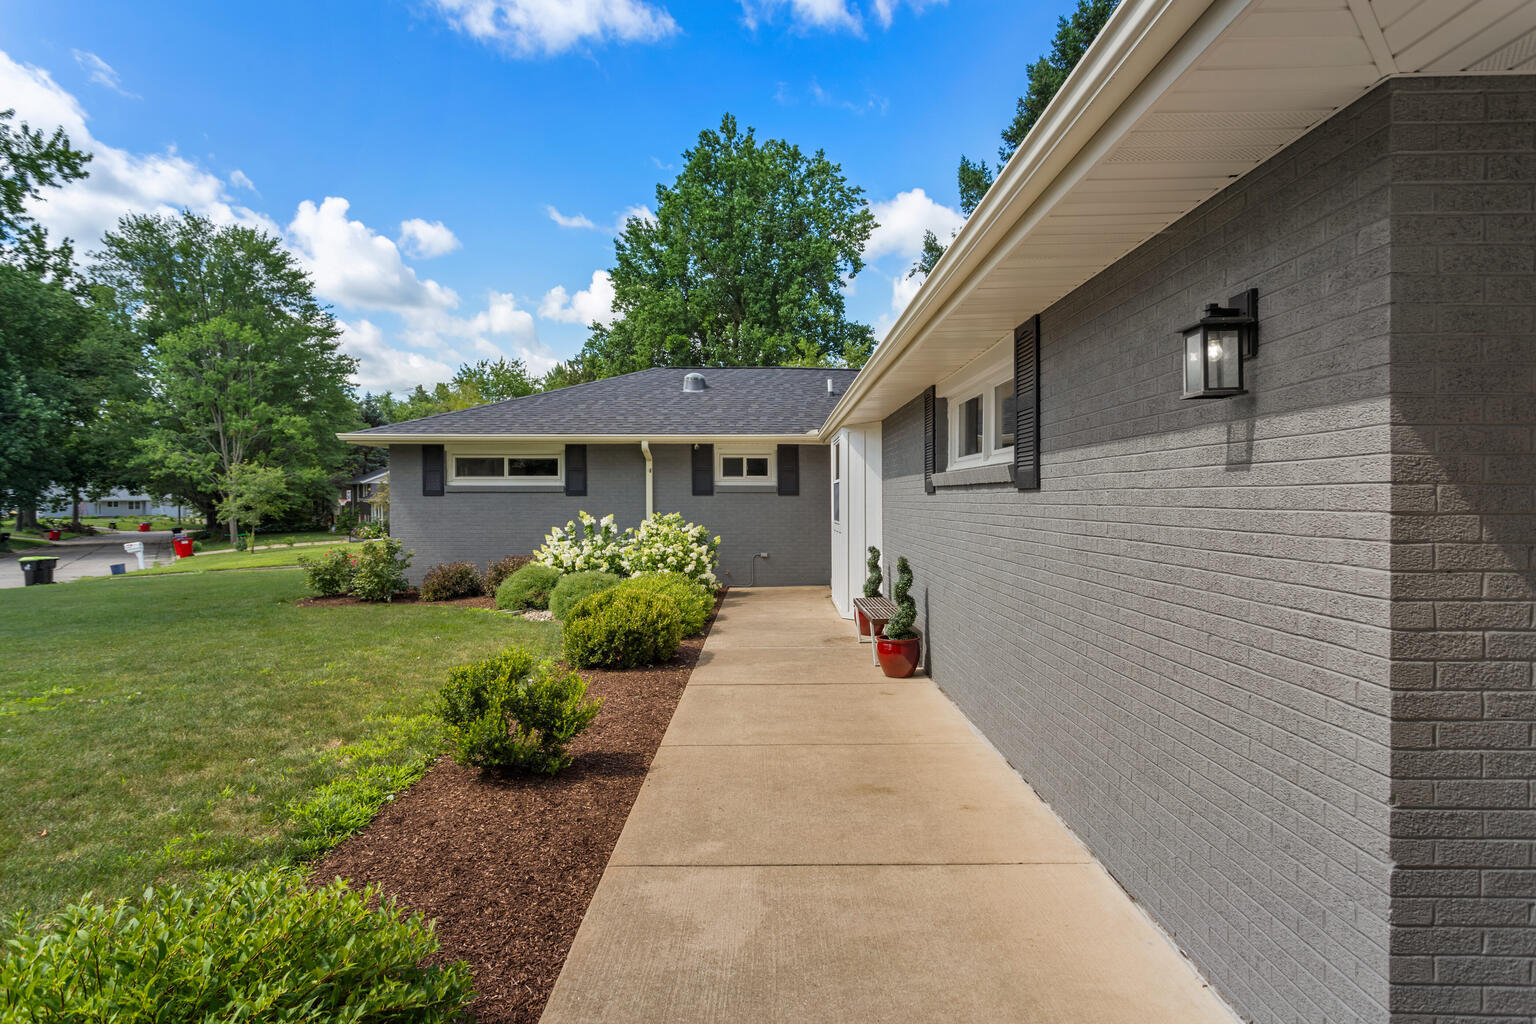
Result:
<point x="596" y="545"/>
<point x="667" y="544"/>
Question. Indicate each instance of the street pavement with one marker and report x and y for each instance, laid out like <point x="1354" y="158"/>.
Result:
<point x="90" y="556"/>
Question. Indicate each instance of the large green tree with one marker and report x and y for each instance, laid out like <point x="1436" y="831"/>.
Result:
<point x="32" y="161"/>
<point x="744" y="264"/>
<point x="247" y="366"/>
<point x="1074" y="34"/>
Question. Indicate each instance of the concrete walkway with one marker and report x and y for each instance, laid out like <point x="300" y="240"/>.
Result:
<point x="817" y="842"/>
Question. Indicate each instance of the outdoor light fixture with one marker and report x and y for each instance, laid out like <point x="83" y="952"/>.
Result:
<point x="1214" y="348"/>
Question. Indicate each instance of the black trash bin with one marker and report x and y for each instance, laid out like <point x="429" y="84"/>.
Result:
<point x="37" y="569"/>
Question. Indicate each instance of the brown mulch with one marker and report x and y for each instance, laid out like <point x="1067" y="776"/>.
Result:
<point x="404" y="597"/>
<point x="508" y="863"/>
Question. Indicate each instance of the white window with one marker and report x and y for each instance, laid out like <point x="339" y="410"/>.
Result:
<point x="837" y="481"/>
<point x="506" y="468"/>
<point x="745" y="466"/>
<point x="981" y="410"/>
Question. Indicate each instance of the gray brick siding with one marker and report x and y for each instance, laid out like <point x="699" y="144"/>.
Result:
<point x="1463" y="257"/>
<point x="1272" y="656"/>
<point x="481" y="526"/>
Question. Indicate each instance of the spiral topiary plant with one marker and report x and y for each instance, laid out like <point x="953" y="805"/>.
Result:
<point x="873" y="580"/>
<point x="900" y="627"/>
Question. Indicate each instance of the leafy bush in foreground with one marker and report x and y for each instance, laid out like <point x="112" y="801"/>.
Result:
<point x="623" y="628"/>
<point x="528" y="587"/>
<point x="380" y="572"/>
<point x="451" y="580"/>
<point x="575" y="587"/>
<point x="250" y="946"/>
<point x="508" y="712"/>
<point x="694" y="602"/>
<point x="330" y="574"/>
<point x="500" y="569"/>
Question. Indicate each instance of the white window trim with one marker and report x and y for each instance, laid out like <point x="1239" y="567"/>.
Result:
<point x="723" y="452"/>
<point x="452" y="455"/>
<point x="979" y="379"/>
<point x="839" y="499"/>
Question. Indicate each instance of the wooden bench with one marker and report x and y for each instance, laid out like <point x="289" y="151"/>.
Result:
<point x="878" y="610"/>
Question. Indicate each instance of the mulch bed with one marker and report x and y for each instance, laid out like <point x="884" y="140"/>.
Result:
<point x="508" y="863"/>
<point x="404" y="597"/>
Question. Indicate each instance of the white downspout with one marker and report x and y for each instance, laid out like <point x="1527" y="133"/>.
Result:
<point x="650" y="480"/>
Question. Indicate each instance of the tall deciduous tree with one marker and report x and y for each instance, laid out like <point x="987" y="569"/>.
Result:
<point x="30" y="162"/>
<point x="743" y="264"/>
<point x="247" y="364"/>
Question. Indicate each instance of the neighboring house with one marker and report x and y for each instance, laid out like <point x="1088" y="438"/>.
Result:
<point x="735" y="449"/>
<point x="359" y="491"/>
<point x="115" y="503"/>
<point x="1270" y="654"/>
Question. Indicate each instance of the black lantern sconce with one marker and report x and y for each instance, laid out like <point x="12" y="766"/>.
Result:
<point x="1214" y="348"/>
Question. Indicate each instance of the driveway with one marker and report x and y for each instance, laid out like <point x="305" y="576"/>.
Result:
<point x="89" y="556"/>
<point x="815" y="842"/>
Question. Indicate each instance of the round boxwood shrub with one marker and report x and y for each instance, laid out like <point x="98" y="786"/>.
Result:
<point x="500" y="569"/>
<point x="509" y="712"/>
<point x="694" y="601"/>
<point x="250" y="946"/>
<point x="450" y="581"/>
<point x="575" y="587"/>
<point x="623" y="628"/>
<point x="528" y="587"/>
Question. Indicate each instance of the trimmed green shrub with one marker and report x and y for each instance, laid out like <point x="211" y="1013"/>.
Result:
<point x="500" y="569"/>
<point x="328" y="575"/>
<point x="452" y="580"/>
<point x="873" y="579"/>
<point x="575" y="587"/>
<point x="528" y="587"/>
<point x="380" y="571"/>
<point x="507" y="712"/>
<point x="901" y="626"/>
<point x="623" y="628"/>
<point x="250" y="946"/>
<point x="694" y="602"/>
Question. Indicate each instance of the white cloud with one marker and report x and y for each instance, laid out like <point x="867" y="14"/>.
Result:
<point x="240" y="179"/>
<point x="531" y="27"/>
<point x="826" y="14"/>
<point x="101" y="72"/>
<point x="903" y="220"/>
<point x="120" y="182"/>
<point x="903" y="289"/>
<point x="426" y="239"/>
<point x="356" y="266"/>
<point x="382" y="368"/>
<point x="593" y="303"/>
<point x="579" y="221"/>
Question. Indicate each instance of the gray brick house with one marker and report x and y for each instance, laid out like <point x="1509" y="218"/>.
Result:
<point x="1270" y="653"/>
<point x="735" y="449"/>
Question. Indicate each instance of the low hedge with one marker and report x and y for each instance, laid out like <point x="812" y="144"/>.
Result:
<point x="500" y="569"/>
<point x="694" y="601"/>
<point x="247" y="946"/>
<point x="623" y="627"/>
<point x="575" y="587"/>
<point x="528" y="587"/>
<point x="452" y="580"/>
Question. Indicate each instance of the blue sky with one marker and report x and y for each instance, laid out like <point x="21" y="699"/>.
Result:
<point x="416" y="154"/>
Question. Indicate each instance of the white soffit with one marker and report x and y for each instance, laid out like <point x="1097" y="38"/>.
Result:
<point x="1175" y="100"/>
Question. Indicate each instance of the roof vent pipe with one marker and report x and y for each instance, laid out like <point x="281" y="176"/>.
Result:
<point x="693" y="382"/>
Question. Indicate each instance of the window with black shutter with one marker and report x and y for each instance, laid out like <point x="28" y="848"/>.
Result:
<point x="930" y="439"/>
<point x="1026" y="405"/>
<point x="432" y="470"/>
<point x="703" y="469"/>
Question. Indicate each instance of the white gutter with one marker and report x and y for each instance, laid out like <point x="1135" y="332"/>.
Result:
<point x="368" y="438"/>
<point x="650" y="480"/>
<point x="1134" y="46"/>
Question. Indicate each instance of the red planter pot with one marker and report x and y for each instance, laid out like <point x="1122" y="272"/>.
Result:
<point x="898" y="658"/>
<point x="867" y="625"/>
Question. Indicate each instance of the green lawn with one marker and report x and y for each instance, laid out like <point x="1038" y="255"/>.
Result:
<point x="220" y="542"/>
<point x="238" y="560"/>
<point x="152" y="727"/>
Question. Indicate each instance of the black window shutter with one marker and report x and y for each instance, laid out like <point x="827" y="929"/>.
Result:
<point x="1026" y="404"/>
<point x="575" y="470"/>
<point x="703" y="469"/>
<point x="930" y="439"/>
<point x="431" y="470"/>
<point x="789" y="469"/>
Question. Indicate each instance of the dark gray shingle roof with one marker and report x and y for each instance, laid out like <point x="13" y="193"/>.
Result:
<point x="735" y="400"/>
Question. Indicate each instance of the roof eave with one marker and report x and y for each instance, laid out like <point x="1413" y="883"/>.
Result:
<point x="370" y="438"/>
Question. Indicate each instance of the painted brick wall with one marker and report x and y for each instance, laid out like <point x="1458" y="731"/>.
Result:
<point x="1183" y="639"/>
<point x="484" y="525"/>
<point x="1463" y="231"/>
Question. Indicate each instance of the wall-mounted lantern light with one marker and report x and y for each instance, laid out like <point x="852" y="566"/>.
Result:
<point x="1214" y="348"/>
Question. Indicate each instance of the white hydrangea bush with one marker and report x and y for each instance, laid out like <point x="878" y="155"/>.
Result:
<point x="668" y="544"/>
<point x="594" y="544"/>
